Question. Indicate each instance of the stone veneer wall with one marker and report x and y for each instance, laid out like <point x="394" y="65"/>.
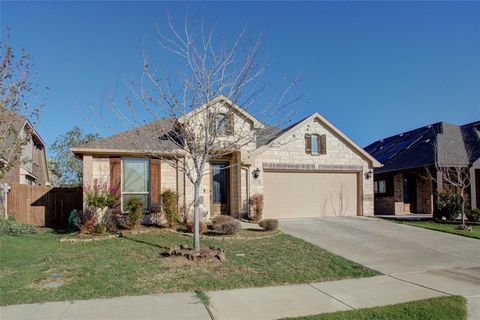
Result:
<point x="291" y="150"/>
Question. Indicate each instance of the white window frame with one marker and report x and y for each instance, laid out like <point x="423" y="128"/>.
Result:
<point x="377" y="189"/>
<point x="121" y="182"/>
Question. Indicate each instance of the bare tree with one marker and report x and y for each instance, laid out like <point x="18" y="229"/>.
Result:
<point x="16" y="91"/>
<point x="453" y="170"/>
<point x="200" y="101"/>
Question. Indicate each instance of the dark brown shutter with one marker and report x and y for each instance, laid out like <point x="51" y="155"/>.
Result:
<point x="323" y="144"/>
<point x="116" y="178"/>
<point x="308" y="144"/>
<point x="155" y="182"/>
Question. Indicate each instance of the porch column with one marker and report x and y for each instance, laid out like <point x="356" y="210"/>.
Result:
<point x="87" y="175"/>
<point x="473" y="189"/>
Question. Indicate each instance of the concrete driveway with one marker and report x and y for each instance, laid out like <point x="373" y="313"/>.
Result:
<point x="430" y="259"/>
<point x="385" y="246"/>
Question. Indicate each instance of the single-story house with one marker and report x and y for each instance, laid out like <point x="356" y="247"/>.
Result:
<point x="407" y="181"/>
<point x="308" y="169"/>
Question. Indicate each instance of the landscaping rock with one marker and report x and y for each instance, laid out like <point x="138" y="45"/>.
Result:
<point x="212" y="253"/>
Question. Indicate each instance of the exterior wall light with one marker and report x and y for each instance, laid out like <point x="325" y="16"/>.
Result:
<point x="368" y="174"/>
<point x="256" y="173"/>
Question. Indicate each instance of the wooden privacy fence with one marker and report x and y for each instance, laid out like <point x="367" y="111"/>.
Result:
<point x="43" y="206"/>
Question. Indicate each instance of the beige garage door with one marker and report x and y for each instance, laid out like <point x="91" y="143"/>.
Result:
<point x="309" y="194"/>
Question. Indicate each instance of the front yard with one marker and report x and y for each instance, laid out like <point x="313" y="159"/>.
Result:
<point x="137" y="265"/>
<point x="443" y="308"/>
<point x="445" y="227"/>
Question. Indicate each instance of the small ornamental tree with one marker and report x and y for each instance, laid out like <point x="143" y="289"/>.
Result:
<point x="200" y="96"/>
<point x="452" y="171"/>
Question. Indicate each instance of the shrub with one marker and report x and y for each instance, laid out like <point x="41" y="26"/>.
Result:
<point x="256" y="207"/>
<point x="12" y="227"/>
<point x="169" y="204"/>
<point x="222" y="219"/>
<point x="449" y="204"/>
<point x="110" y="221"/>
<point x="269" y="224"/>
<point x="134" y="208"/>
<point x="100" y="196"/>
<point x="202" y="225"/>
<point x="473" y="215"/>
<point x="100" y="228"/>
<point x="229" y="228"/>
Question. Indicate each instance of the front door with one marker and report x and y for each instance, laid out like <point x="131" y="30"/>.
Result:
<point x="220" y="188"/>
<point x="409" y="193"/>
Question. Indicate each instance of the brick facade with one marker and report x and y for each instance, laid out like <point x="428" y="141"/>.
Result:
<point x="393" y="203"/>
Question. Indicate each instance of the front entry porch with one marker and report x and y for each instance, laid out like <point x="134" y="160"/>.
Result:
<point x="228" y="183"/>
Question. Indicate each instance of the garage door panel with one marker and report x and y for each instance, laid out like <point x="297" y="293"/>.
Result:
<point x="309" y="194"/>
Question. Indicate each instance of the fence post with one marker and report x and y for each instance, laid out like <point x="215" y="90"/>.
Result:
<point x="5" y="189"/>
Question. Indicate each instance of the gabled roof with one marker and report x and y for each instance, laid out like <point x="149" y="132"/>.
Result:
<point x="471" y="136"/>
<point x="19" y="123"/>
<point x="234" y="106"/>
<point x="417" y="148"/>
<point x="292" y="128"/>
<point x="128" y="141"/>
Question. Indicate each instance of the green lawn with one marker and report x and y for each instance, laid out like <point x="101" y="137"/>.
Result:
<point x="444" y="227"/>
<point x="137" y="265"/>
<point x="443" y="308"/>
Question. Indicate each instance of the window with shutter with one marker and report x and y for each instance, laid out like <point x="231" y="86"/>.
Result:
<point x="135" y="180"/>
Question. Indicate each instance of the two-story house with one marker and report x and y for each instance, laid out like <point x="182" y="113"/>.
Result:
<point x="31" y="166"/>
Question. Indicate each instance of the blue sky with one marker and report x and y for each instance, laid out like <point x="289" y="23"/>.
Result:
<point x="372" y="68"/>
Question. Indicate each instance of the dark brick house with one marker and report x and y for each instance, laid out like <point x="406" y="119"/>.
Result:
<point x="404" y="184"/>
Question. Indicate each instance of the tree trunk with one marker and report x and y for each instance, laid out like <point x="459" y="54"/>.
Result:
<point x="196" y="216"/>
<point x="463" y="209"/>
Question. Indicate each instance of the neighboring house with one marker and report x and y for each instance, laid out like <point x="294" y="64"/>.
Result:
<point x="310" y="169"/>
<point x="31" y="168"/>
<point x="403" y="185"/>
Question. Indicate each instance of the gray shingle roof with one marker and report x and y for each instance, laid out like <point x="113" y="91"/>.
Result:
<point x="270" y="133"/>
<point x="471" y="136"/>
<point x="148" y="137"/>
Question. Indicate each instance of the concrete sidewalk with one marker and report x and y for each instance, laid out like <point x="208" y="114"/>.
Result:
<point x="250" y="303"/>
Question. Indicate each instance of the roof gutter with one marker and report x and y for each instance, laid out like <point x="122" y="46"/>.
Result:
<point x="79" y="152"/>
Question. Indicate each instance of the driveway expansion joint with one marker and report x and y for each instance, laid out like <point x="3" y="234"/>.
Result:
<point x="419" y="285"/>
<point x="331" y="296"/>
